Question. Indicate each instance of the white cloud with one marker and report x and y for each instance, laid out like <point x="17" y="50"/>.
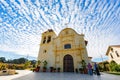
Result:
<point x="21" y="33"/>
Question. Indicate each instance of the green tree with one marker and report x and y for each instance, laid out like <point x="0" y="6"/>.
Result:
<point x="113" y="65"/>
<point x="83" y="64"/>
<point x="15" y="61"/>
<point x="117" y="68"/>
<point x="38" y="62"/>
<point x="22" y="60"/>
<point x="45" y="63"/>
<point x="27" y="64"/>
<point x="19" y="61"/>
<point x="2" y="59"/>
<point x="9" y="61"/>
<point x="45" y="66"/>
<point x="33" y="63"/>
<point x="104" y="66"/>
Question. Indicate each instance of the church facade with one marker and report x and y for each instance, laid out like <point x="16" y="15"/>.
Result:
<point x="65" y="51"/>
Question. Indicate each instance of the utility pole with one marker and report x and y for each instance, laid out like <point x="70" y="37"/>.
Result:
<point x="101" y="57"/>
<point x="102" y="62"/>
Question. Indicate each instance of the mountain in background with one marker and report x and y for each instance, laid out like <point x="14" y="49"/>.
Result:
<point x="12" y="55"/>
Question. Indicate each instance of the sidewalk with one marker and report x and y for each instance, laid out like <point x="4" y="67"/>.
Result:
<point x="66" y="76"/>
<point x="29" y="75"/>
<point x="20" y="73"/>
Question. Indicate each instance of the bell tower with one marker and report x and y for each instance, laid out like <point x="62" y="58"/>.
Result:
<point x="46" y="47"/>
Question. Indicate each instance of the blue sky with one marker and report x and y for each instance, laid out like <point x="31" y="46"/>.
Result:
<point x="23" y="21"/>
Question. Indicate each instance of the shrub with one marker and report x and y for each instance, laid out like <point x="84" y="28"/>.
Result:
<point x="20" y="67"/>
<point x="117" y="68"/>
<point x="114" y="66"/>
<point x="2" y="66"/>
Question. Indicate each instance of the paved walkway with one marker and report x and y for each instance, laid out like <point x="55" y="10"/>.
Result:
<point x="67" y="76"/>
<point x="20" y="73"/>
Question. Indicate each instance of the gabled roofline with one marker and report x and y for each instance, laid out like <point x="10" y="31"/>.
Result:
<point x="70" y="29"/>
<point x="108" y="50"/>
<point x="111" y="47"/>
<point x="114" y="45"/>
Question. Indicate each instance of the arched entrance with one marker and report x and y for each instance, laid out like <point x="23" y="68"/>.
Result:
<point x="68" y="65"/>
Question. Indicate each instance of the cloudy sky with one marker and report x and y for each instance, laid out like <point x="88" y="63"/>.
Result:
<point x="23" y="21"/>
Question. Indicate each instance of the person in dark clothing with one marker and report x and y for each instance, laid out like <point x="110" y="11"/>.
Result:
<point x="96" y="69"/>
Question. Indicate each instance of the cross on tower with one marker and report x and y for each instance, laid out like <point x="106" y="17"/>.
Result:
<point x="66" y="24"/>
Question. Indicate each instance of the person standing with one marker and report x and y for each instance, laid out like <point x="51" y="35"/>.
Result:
<point x="90" y="69"/>
<point x="96" y="69"/>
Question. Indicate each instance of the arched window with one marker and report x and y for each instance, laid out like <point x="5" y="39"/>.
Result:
<point x="112" y="49"/>
<point x="67" y="46"/>
<point x="111" y="55"/>
<point x="117" y="54"/>
<point x="44" y="40"/>
<point x="49" y="39"/>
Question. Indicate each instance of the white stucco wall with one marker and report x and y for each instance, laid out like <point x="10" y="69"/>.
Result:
<point x="115" y="57"/>
<point x="56" y="52"/>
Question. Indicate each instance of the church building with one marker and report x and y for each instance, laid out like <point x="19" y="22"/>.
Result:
<point x="65" y="51"/>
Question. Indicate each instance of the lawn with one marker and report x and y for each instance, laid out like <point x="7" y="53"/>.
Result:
<point x="116" y="73"/>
